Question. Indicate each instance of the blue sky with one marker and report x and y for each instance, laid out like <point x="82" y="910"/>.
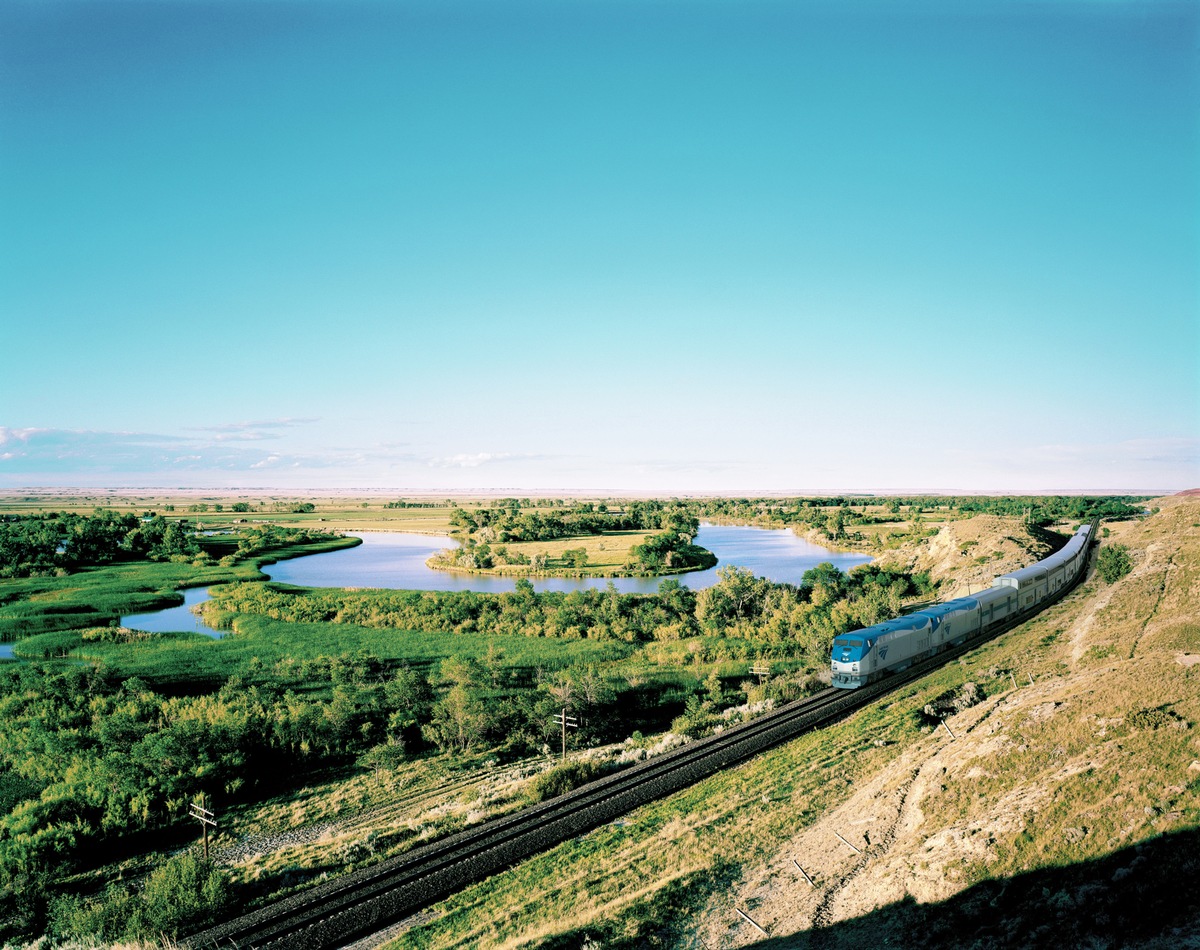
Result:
<point x="647" y="246"/>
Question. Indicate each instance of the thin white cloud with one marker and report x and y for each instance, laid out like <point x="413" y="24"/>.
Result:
<point x="244" y="436"/>
<point x="250" y="431"/>
<point x="284" y="423"/>
<point x="42" y="456"/>
<point x="17" y="435"/>
<point x="463" y="460"/>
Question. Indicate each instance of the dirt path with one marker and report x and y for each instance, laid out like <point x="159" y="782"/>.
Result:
<point x="1162" y="593"/>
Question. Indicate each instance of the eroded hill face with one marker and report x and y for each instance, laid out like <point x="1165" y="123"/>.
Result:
<point x="1062" y="808"/>
<point x="966" y="556"/>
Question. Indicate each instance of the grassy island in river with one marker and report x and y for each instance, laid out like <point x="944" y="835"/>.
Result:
<point x="638" y="540"/>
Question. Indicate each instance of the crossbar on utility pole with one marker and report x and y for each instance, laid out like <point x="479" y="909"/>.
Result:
<point x="206" y="818"/>
<point x="567" y="722"/>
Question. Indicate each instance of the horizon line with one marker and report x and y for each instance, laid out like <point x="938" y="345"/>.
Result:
<point x="579" y="492"/>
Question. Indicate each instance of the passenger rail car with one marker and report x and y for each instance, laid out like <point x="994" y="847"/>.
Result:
<point x="863" y="656"/>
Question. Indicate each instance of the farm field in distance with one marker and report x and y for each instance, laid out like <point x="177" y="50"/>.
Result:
<point x="356" y="724"/>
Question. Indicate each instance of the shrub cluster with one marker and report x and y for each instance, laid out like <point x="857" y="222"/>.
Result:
<point x="54" y="542"/>
<point x="1113" y="562"/>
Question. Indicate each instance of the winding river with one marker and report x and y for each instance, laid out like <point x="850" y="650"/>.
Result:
<point x="395" y="560"/>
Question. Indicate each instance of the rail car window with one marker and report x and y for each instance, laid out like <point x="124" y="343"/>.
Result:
<point x="848" y="643"/>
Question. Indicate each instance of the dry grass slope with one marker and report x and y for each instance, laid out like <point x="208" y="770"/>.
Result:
<point x="1099" y="753"/>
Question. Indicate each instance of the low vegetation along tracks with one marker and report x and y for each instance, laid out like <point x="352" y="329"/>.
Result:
<point x="335" y="913"/>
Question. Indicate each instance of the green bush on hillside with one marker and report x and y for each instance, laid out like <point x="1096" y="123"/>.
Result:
<point x="1113" y="562"/>
<point x="562" y="779"/>
<point x="183" y="895"/>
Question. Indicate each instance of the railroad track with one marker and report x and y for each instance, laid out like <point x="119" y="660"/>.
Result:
<point x="335" y="913"/>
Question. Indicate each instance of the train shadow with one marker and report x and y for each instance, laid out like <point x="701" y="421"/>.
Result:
<point x="1146" y="895"/>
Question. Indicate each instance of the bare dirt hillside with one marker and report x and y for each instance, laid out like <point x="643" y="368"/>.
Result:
<point x="1063" y="809"/>
<point x="965" y="556"/>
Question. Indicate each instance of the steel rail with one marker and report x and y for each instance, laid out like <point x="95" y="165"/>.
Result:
<point x="362" y="902"/>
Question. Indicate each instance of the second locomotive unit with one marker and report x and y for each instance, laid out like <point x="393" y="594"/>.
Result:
<point x="865" y="655"/>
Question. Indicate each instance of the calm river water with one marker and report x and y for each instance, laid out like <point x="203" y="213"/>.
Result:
<point x="395" y="560"/>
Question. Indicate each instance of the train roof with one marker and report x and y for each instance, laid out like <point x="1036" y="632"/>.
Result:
<point x="907" y="622"/>
<point x="917" y="619"/>
<point x="1035" y="572"/>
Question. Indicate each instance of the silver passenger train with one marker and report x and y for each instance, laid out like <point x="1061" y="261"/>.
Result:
<point x="865" y="655"/>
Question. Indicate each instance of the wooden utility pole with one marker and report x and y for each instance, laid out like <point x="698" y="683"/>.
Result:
<point x="567" y="722"/>
<point x="762" y="671"/>
<point x="206" y="818"/>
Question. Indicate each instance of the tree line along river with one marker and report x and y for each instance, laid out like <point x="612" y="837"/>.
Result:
<point x="396" y="561"/>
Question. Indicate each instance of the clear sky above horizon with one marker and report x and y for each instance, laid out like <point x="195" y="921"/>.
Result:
<point x="642" y="246"/>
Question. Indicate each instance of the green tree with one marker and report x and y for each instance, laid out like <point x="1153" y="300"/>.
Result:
<point x="575" y="557"/>
<point x="713" y="688"/>
<point x="385" y="757"/>
<point x="184" y="894"/>
<point x="458" y="722"/>
<point x="1113" y="562"/>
